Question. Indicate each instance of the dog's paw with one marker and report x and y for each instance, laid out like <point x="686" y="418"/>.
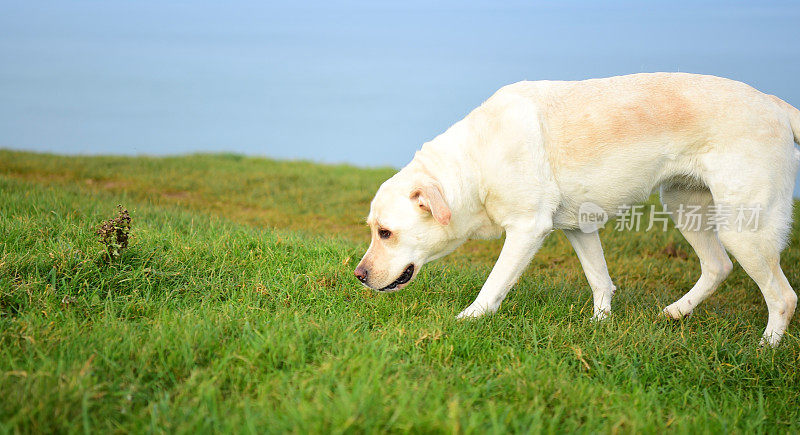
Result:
<point x="770" y="340"/>
<point x="472" y="312"/>
<point x="675" y="313"/>
<point x="600" y="315"/>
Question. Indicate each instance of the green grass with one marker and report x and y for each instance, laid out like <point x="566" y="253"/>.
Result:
<point x="234" y="309"/>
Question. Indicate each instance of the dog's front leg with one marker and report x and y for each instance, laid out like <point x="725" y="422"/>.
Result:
<point x="590" y="254"/>
<point x="522" y="242"/>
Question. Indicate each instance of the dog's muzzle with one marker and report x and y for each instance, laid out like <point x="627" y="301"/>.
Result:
<point x="402" y="279"/>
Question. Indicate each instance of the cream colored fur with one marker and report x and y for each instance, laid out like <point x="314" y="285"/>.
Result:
<point x="526" y="159"/>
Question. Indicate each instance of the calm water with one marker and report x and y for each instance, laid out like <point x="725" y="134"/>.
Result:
<point x="339" y="82"/>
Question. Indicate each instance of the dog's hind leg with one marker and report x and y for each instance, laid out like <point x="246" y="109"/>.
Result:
<point x="760" y="258"/>
<point x="690" y="209"/>
<point x="761" y="211"/>
<point x="757" y="247"/>
<point x="590" y="253"/>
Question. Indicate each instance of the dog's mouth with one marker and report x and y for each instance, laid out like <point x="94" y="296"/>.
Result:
<point x="402" y="279"/>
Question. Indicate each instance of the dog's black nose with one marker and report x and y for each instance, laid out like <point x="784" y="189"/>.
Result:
<point x="361" y="273"/>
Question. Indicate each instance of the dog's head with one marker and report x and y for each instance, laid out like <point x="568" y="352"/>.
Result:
<point x="409" y="222"/>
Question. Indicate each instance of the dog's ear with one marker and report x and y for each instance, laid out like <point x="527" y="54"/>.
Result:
<point x="429" y="197"/>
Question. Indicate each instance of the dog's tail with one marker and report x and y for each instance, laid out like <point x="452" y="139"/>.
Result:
<point x="794" y="117"/>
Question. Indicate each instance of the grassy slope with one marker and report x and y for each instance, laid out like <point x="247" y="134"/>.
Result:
<point x="213" y="319"/>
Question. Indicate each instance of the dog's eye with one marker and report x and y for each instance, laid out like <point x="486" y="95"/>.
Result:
<point x="384" y="234"/>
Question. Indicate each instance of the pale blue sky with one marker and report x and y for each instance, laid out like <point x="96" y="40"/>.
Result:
<point x="360" y="82"/>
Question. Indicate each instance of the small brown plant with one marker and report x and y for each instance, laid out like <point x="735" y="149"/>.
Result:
<point x="115" y="233"/>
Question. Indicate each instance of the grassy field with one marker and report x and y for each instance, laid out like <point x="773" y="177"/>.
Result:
<point x="234" y="309"/>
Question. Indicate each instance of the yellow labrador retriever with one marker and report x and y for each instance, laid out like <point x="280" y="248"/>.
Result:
<point x="533" y="154"/>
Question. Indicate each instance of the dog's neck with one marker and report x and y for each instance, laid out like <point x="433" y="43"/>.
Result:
<point x="445" y="160"/>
